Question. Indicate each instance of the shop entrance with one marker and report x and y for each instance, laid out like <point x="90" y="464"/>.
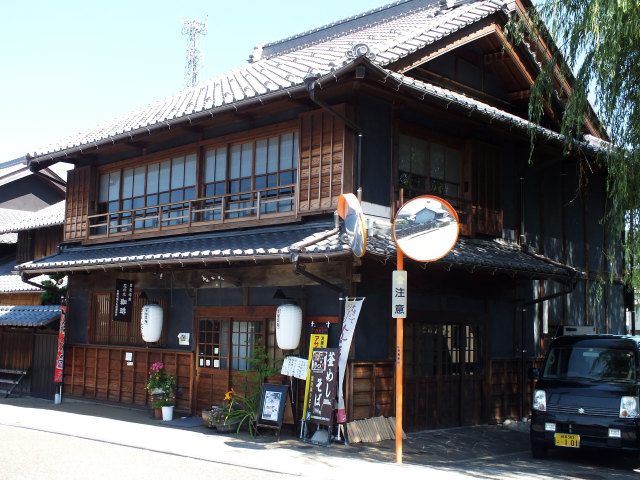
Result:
<point x="226" y="337"/>
<point x="444" y="374"/>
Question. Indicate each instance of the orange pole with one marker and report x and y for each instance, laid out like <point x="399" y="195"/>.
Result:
<point x="399" y="373"/>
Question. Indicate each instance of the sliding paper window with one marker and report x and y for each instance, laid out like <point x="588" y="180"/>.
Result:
<point x="148" y="196"/>
<point x="255" y="177"/>
<point x="427" y="167"/>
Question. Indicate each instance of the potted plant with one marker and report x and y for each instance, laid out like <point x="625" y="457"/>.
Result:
<point x="244" y="411"/>
<point x="221" y="417"/>
<point x="162" y="387"/>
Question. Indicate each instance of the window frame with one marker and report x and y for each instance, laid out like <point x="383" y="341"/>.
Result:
<point x="116" y="214"/>
<point x="430" y="140"/>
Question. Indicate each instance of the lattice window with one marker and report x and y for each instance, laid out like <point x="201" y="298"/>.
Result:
<point x="442" y="349"/>
<point x="104" y="331"/>
<point x="219" y="348"/>
<point x="428" y="167"/>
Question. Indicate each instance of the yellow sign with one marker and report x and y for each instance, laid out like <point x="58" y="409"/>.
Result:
<point x="319" y="339"/>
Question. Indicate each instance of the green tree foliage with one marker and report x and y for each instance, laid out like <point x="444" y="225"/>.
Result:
<point x="596" y="45"/>
<point x="53" y="292"/>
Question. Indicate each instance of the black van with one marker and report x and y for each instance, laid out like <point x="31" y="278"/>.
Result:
<point x="587" y="395"/>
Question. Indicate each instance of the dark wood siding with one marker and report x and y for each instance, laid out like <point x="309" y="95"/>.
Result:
<point x="370" y="390"/>
<point x="103" y="330"/>
<point x="46" y="241"/>
<point x="44" y="358"/>
<point x="104" y="373"/>
<point x="16" y="349"/>
<point x="323" y="149"/>
<point x="81" y="188"/>
<point x="21" y="299"/>
<point x="505" y="388"/>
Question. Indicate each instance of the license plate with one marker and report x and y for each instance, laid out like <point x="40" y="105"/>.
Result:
<point x="567" y="440"/>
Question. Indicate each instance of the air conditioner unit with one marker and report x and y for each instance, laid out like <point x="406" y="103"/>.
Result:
<point x="581" y="330"/>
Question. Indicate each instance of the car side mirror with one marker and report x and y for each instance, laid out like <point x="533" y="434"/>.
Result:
<point x="534" y="373"/>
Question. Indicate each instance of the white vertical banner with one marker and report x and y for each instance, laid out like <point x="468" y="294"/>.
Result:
<point x="351" y="312"/>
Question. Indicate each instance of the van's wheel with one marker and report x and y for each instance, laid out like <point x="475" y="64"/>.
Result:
<point x="538" y="451"/>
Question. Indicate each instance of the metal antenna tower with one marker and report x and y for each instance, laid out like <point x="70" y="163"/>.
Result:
<point x="193" y="28"/>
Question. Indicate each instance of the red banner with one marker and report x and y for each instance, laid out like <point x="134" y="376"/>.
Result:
<point x="57" y="377"/>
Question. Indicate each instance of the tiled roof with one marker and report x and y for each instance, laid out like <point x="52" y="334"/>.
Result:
<point x="20" y="316"/>
<point x="316" y="240"/>
<point x="391" y="33"/>
<point x="10" y="281"/>
<point x="475" y="106"/>
<point x="493" y="256"/>
<point x="47" y="217"/>
<point x="9" y="218"/>
<point x="238" y="245"/>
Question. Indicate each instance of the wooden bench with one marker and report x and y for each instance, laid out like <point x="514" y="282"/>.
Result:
<point x="10" y="379"/>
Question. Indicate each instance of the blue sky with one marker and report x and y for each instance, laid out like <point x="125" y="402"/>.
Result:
<point x="71" y="65"/>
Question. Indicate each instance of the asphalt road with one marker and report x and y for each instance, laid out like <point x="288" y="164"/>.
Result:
<point x="50" y="443"/>
<point x="34" y="454"/>
<point x="31" y="454"/>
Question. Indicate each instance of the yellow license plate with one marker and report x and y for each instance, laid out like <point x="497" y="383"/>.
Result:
<point x="567" y="440"/>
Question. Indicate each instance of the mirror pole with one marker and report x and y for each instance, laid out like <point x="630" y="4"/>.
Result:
<point x="399" y="372"/>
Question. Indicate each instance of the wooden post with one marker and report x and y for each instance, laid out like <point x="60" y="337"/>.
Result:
<point x="399" y="373"/>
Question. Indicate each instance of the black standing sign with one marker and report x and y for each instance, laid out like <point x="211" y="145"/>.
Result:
<point x="123" y="301"/>
<point x="323" y="386"/>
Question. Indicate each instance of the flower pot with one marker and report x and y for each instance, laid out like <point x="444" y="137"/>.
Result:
<point x="229" y="426"/>
<point x="167" y="413"/>
<point x="157" y="412"/>
<point x="206" y="418"/>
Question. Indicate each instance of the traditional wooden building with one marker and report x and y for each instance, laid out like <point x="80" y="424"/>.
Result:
<point x="212" y="200"/>
<point x="31" y="220"/>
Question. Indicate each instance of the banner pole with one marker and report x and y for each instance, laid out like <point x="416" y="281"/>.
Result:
<point x="399" y="373"/>
<point x="59" y="365"/>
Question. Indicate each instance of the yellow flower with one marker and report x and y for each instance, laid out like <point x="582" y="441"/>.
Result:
<point x="229" y="395"/>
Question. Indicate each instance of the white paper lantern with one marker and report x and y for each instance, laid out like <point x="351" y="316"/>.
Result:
<point x="151" y="322"/>
<point x="288" y="326"/>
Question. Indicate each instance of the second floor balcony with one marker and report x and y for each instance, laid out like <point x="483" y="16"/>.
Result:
<point x="212" y="210"/>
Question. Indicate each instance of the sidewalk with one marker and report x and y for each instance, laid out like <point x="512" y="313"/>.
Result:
<point x="137" y="428"/>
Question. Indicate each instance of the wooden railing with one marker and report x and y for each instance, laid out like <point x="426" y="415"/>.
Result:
<point x="253" y="205"/>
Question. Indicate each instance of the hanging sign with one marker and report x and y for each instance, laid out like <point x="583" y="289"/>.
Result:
<point x="123" y="301"/>
<point x="59" y="367"/>
<point x="319" y="339"/>
<point x="322" y="386"/>
<point x="352" y="308"/>
<point x="295" y="367"/>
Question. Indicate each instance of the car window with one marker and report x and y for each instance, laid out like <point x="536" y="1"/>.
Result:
<point x="591" y="363"/>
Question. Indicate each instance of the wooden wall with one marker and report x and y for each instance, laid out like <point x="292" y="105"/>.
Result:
<point x="324" y="146"/>
<point x="44" y="360"/>
<point x="81" y="186"/>
<point x="20" y="299"/>
<point x="505" y="397"/>
<point x="370" y="389"/>
<point x="103" y="373"/>
<point x="37" y="244"/>
<point x="16" y="349"/>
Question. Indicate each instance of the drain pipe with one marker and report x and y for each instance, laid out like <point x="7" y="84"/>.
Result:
<point x="523" y="345"/>
<point x="310" y="82"/>
<point x="300" y="270"/>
